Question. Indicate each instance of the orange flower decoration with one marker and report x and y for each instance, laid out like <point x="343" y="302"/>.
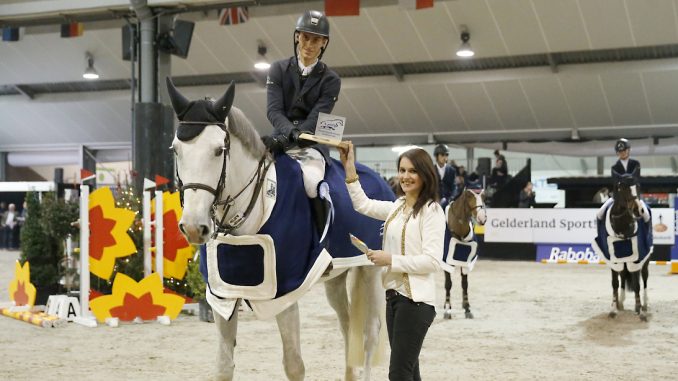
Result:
<point x="108" y="238"/>
<point x="176" y="250"/>
<point x="21" y="290"/>
<point x="130" y="300"/>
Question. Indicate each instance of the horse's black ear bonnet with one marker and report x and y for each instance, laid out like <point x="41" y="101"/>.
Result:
<point x="195" y="115"/>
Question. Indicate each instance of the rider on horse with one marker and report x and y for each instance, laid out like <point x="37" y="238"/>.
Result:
<point x="298" y="88"/>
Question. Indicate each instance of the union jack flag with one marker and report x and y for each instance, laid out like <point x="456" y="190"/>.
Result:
<point x="233" y="16"/>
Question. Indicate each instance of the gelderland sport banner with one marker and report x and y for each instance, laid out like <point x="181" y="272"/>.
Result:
<point x="563" y="234"/>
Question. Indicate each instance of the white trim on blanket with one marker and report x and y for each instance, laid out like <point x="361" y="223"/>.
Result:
<point x="265" y="309"/>
<point x="265" y="290"/>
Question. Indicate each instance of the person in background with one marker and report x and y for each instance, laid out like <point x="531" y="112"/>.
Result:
<point x="446" y="175"/>
<point x="498" y="176"/>
<point x="414" y="232"/>
<point x="527" y="196"/>
<point x="625" y="164"/>
<point x="9" y="224"/>
<point x="3" y="209"/>
<point x="499" y="156"/>
<point x="602" y="195"/>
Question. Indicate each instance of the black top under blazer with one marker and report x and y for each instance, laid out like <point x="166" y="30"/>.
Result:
<point x="293" y="105"/>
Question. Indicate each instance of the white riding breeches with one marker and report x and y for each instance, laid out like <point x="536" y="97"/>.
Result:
<point x="312" y="166"/>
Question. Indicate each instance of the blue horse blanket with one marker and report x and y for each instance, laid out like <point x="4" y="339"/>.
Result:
<point x="247" y="271"/>
<point x="617" y="251"/>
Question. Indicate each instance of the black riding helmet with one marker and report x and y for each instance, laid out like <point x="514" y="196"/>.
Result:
<point x="441" y="149"/>
<point x="621" y="145"/>
<point x="314" y="22"/>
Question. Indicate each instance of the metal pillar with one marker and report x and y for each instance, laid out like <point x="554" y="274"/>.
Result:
<point x="600" y="163"/>
<point x="153" y="127"/>
<point x="3" y="166"/>
<point x="469" y="160"/>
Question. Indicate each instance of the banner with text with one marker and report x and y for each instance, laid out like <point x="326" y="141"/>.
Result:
<point x="562" y="225"/>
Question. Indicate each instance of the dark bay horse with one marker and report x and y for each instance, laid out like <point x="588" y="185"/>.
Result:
<point x="462" y="215"/>
<point x="625" y="240"/>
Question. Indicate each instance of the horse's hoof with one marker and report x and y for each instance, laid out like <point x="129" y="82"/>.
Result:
<point x="620" y="306"/>
<point x="612" y="314"/>
<point x="643" y="317"/>
<point x="644" y="308"/>
<point x="447" y="315"/>
<point x="469" y="315"/>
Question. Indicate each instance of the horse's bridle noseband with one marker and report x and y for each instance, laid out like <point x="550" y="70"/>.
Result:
<point x="220" y="226"/>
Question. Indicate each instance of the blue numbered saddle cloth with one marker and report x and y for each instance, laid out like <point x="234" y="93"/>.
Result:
<point x="461" y="254"/>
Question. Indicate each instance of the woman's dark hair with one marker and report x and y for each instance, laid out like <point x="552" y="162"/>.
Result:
<point x="423" y="164"/>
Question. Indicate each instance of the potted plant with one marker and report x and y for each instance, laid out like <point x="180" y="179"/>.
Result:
<point x="197" y="286"/>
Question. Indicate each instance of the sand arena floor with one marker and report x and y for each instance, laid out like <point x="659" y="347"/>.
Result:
<point x="532" y="322"/>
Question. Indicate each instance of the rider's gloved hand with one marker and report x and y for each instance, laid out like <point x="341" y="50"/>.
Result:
<point x="302" y="143"/>
<point x="274" y="143"/>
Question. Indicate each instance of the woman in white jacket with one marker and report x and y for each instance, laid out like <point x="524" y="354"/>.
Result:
<point x="414" y="231"/>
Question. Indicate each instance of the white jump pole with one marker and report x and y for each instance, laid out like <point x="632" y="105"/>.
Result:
<point x="84" y="250"/>
<point x="159" y="255"/>
<point x="147" y="233"/>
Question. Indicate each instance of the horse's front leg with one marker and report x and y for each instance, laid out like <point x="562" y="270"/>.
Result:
<point x="289" y="327"/>
<point x="615" y="298"/>
<point x="645" y="273"/>
<point x="447" y="306"/>
<point x="337" y="297"/>
<point x="635" y="279"/>
<point x="465" y="304"/>
<point x="226" y="346"/>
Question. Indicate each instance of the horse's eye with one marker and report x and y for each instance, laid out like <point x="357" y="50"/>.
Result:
<point x="218" y="151"/>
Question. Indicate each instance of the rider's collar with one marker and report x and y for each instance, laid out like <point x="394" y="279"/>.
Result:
<point x="306" y="70"/>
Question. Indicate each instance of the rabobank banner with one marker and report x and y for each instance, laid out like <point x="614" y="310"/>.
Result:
<point x="570" y="226"/>
<point x="569" y="253"/>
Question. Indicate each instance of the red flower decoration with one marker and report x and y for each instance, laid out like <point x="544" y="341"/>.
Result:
<point x="133" y="307"/>
<point x="101" y="228"/>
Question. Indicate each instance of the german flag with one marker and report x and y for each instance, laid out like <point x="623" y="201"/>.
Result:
<point x="73" y="29"/>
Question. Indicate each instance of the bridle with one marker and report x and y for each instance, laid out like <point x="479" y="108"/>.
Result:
<point x="468" y="211"/>
<point x="220" y="225"/>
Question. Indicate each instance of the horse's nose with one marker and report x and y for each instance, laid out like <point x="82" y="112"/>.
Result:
<point x="196" y="234"/>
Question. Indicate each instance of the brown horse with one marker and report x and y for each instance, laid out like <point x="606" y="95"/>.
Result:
<point x="462" y="215"/>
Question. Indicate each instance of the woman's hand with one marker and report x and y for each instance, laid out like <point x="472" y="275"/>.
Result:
<point x="379" y="257"/>
<point x="347" y="157"/>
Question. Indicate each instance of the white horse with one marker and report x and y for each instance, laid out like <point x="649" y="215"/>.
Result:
<point x="221" y="162"/>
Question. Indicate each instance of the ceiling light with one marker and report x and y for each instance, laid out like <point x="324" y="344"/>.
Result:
<point x="262" y="63"/>
<point x="90" y="72"/>
<point x="465" y="49"/>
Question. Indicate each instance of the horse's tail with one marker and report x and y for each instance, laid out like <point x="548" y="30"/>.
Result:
<point x="627" y="280"/>
<point x="361" y="308"/>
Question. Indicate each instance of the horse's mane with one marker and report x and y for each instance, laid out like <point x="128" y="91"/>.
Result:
<point x="242" y="128"/>
<point x="621" y="215"/>
<point x="457" y="207"/>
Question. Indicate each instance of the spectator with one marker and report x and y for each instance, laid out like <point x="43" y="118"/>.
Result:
<point x="498" y="176"/>
<point x="602" y="195"/>
<point x="9" y="224"/>
<point x="527" y="196"/>
<point x="499" y="156"/>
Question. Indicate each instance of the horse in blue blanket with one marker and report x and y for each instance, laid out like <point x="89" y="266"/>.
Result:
<point x="624" y="225"/>
<point x="461" y="242"/>
<point x="252" y="214"/>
